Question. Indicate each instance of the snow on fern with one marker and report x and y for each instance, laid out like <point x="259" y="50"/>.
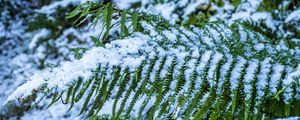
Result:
<point x="61" y="77"/>
<point x="295" y="15"/>
<point x="41" y="34"/>
<point x="168" y="70"/>
<point x="171" y="56"/>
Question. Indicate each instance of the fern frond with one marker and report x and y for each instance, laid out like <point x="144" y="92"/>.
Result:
<point x="161" y="70"/>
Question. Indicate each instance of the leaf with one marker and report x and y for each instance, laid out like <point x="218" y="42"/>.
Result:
<point x="194" y="87"/>
<point x="98" y="16"/>
<point x="75" y="12"/>
<point x="87" y="99"/>
<point x="69" y="93"/>
<point x="83" y="90"/>
<point x="84" y="12"/>
<point x="97" y="42"/>
<point x="235" y="3"/>
<point x="78" y="84"/>
<point x="124" y="80"/>
<point x="55" y="98"/>
<point x="124" y="29"/>
<point x="278" y="94"/>
<point x="107" y="16"/>
<point x="135" y="21"/>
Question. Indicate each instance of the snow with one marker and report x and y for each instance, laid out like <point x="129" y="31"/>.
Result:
<point x="191" y="65"/>
<point x="62" y="76"/>
<point x="295" y="15"/>
<point x="290" y="79"/>
<point x="191" y="7"/>
<point x="131" y="51"/>
<point x="275" y="77"/>
<point x="167" y="11"/>
<point x="27" y="88"/>
<point x="224" y="71"/>
<point x="84" y="1"/>
<point x="260" y="16"/>
<point x="236" y="72"/>
<point x="39" y="35"/>
<point x="249" y="77"/>
<point x="123" y="3"/>
<point x="203" y="62"/>
<point x="262" y="77"/>
<point x="241" y="15"/>
<point x="243" y="35"/>
<point x="172" y="37"/>
<point x="259" y="46"/>
<point x="213" y="65"/>
<point x="52" y="7"/>
<point x="204" y="38"/>
<point x="289" y="118"/>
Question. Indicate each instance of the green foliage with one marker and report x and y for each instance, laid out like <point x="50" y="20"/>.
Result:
<point x="135" y="21"/>
<point x="97" y="42"/>
<point x="168" y="91"/>
<point x="124" y="30"/>
<point x="195" y="102"/>
<point x="78" y="51"/>
<point x="107" y="17"/>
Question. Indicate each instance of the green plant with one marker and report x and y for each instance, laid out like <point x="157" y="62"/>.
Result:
<point x="168" y="71"/>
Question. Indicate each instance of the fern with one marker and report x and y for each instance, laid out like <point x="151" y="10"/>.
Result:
<point x="169" y="71"/>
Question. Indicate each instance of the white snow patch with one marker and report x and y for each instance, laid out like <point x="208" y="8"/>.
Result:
<point x="295" y="15"/>
<point x="52" y="7"/>
<point x="41" y="34"/>
<point x="259" y="46"/>
<point x="62" y="76"/>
